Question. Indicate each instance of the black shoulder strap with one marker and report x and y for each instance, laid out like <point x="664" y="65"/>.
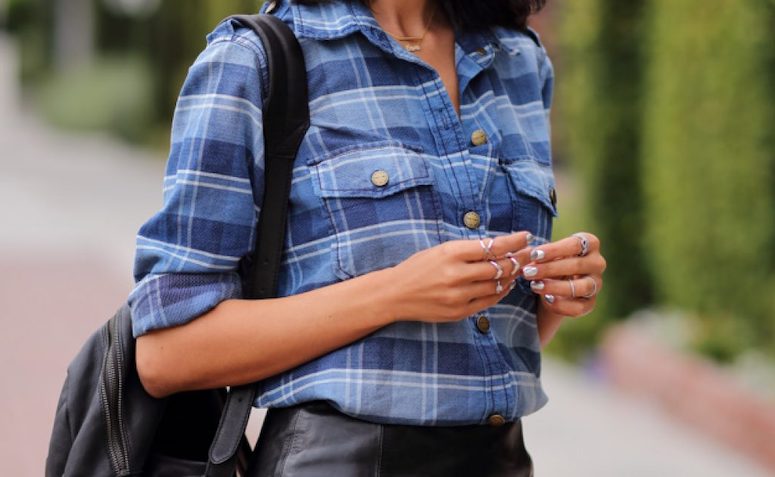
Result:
<point x="286" y="119"/>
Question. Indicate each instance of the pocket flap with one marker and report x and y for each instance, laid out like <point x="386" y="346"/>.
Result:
<point x="372" y="171"/>
<point x="533" y="179"/>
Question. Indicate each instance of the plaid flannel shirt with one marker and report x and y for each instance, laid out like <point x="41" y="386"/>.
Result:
<point x="374" y="108"/>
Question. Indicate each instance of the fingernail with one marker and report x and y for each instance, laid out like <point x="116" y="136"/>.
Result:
<point x="537" y="285"/>
<point x="537" y="254"/>
<point x="549" y="299"/>
<point x="530" y="271"/>
<point x="529" y="237"/>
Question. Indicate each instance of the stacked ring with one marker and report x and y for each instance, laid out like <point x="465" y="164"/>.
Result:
<point x="487" y="249"/>
<point x="514" y="262"/>
<point x="498" y="269"/>
<point x="594" y="289"/>
<point x="584" y="242"/>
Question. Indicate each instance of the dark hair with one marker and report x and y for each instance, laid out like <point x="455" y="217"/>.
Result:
<point x="477" y="14"/>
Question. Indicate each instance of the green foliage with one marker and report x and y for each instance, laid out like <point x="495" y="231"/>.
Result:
<point x="708" y="166"/>
<point x="111" y="94"/>
<point x="598" y="119"/>
<point x="177" y="33"/>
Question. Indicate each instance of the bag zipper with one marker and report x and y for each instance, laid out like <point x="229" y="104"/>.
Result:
<point x="112" y="393"/>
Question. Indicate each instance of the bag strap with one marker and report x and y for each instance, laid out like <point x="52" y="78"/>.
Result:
<point x="286" y="120"/>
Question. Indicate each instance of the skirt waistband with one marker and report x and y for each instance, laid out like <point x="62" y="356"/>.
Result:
<point x="315" y="440"/>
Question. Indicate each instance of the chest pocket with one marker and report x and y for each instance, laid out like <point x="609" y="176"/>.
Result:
<point x="534" y="201"/>
<point x="381" y="203"/>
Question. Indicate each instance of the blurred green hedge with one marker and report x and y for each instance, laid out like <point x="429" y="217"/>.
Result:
<point x="598" y="119"/>
<point x="667" y="111"/>
<point x="154" y="49"/>
<point x="708" y="166"/>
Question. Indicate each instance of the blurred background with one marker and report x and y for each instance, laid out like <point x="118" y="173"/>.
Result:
<point x="664" y="136"/>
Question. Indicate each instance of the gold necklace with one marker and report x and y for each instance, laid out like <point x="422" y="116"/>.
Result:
<point x="413" y="44"/>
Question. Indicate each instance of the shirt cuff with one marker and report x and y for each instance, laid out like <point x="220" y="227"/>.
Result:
<point x="163" y="301"/>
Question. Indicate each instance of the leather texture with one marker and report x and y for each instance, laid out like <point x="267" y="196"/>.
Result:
<point x="314" y="439"/>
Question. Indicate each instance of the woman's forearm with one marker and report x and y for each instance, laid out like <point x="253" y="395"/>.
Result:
<point x="548" y="323"/>
<point x="242" y="341"/>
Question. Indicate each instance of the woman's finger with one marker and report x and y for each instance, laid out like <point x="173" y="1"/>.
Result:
<point x="505" y="268"/>
<point x="569" y="306"/>
<point x="567" y="247"/>
<point x="583" y="287"/>
<point x="487" y="248"/>
<point x="593" y="264"/>
<point x="486" y="288"/>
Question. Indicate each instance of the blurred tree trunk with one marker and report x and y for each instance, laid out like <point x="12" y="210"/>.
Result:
<point x="599" y="114"/>
<point x="73" y="33"/>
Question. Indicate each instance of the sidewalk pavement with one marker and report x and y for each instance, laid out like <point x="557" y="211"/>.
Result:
<point x="70" y="206"/>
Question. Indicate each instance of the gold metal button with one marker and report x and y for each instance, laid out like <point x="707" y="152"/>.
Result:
<point x="496" y="420"/>
<point x="479" y="137"/>
<point x="380" y="178"/>
<point x="472" y="220"/>
<point x="483" y="324"/>
<point x="481" y="51"/>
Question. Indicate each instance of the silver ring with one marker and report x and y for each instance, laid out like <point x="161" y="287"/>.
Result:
<point x="584" y="241"/>
<point x="514" y="262"/>
<point x="594" y="288"/>
<point x="498" y="268"/>
<point x="572" y="288"/>
<point x="498" y="287"/>
<point x="488" y="255"/>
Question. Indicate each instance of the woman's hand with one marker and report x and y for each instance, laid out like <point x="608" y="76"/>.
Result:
<point x="567" y="274"/>
<point x="458" y="278"/>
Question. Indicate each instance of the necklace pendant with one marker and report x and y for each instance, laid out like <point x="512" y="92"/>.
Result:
<point x="411" y="48"/>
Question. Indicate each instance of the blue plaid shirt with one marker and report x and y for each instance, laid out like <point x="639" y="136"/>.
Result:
<point x="374" y="108"/>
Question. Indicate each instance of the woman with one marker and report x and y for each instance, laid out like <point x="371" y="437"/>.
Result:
<point x="417" y="285"/>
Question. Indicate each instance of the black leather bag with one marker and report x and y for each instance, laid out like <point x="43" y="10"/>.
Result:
<point x="105" y="423"/>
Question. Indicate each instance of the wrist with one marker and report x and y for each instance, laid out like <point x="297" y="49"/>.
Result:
<point x="548" y="322"/>
<point x="385" y="297"/>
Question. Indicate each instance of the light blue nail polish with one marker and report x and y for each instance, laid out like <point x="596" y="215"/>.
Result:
<point x="537" y="254"/>
<point x="537" y="285"/>
<point x="549" y="299"/>
<point x="530" y="271"/>
<point x="529" y="237"/>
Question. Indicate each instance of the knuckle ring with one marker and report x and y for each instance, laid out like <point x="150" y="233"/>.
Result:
<point x="584" y="242"/>
<point x="498" y="270"/>
<point x="487" y="249"/>
<point x="572" y="288"/>
<point x="594" y="288"/>
<point x="514" y="262"/>
<point x="498" y="287"/>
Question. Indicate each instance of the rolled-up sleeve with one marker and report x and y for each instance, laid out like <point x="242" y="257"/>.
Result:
<point x="188" y="254"/>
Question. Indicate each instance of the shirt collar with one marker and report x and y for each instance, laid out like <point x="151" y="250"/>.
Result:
<point x="333" y="19"/>
<point x="339" y="18"/>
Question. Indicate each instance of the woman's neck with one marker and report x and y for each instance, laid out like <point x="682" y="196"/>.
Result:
<point x="403" y="17"/>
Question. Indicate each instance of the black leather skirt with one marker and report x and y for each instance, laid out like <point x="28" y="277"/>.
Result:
<point x="315" y="440"/>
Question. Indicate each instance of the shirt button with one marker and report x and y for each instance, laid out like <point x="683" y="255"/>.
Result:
<point x="496" y="420"/>
<point x="483" y="324"/>
<point x="481" y="51"/>
<point x="472" y="220"/>
<point x="478" y="137"/>
<point x="380" y="178"/>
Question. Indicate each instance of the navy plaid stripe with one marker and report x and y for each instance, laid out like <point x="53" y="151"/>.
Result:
<point x="374" y="107"/>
